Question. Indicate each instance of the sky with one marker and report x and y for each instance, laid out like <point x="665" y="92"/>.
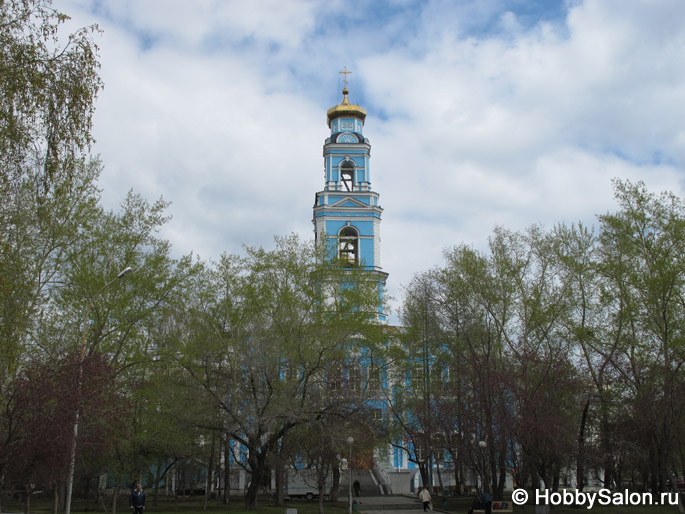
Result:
<point x="481" y="113"/>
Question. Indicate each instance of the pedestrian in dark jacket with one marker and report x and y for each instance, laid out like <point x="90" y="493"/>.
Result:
<point x="137" y="500"/>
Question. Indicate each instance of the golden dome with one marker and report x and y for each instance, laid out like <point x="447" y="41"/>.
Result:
<point x="345" y="109"/>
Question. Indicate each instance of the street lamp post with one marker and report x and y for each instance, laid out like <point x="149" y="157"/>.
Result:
<point x="350" y="440"/>
<point x="72" y="461"/>
<point x="482" y="445"/>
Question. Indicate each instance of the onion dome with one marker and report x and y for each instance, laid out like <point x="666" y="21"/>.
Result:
<point x="346" y="109"/>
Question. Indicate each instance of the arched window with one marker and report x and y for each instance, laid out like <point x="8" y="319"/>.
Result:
<point x="348" y="245"/>
<point x="347" y="175"/>
<point x="355" y="377"/>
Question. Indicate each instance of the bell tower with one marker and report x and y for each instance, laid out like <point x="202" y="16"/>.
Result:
<point x="347" y="214"/>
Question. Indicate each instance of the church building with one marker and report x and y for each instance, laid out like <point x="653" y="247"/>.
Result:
<point x="347" y="213"/>
<point x="347" y="217"/>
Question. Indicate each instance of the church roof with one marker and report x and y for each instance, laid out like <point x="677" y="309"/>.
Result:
<point x="345" y="109"/>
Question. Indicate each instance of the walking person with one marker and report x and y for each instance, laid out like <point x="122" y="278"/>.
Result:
<point x="357" y="488"/>
<point x="425" y="497"/>
<point x="137" y="500"/>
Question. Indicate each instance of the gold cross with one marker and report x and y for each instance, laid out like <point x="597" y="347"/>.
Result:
<point x="345" y="73"/>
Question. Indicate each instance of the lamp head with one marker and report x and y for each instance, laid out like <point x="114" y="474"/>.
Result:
<point x="125" y="272"/>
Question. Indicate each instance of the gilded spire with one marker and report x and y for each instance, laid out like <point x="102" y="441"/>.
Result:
<point x="345" y="108"/>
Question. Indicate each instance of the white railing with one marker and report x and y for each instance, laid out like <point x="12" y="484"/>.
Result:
<point x="382" y="476"/>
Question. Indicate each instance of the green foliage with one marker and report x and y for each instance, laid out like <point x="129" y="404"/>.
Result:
<point x="48" y="83"/>
<point x="61" y="252"/>
<point x="553" y="336"/>
<point x="486" y="328"/>
<point x="644" y="250"/>
<point x="266" y="335"/>
<point x="643" y="278"/>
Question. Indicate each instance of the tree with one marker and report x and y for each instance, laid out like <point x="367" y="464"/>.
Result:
<point x="586" y="326"/>
<point x="48" y="83"/>
<point x="47" y="90"/>
<point x="494" y="323"/>
<point x="42" y="415"/>
<point x="643" y="267"/>
<point x="264" y="334"/>
<point x="117" y="320"/>
<point x="448" y="403"/>
<point x="87" y="312"/>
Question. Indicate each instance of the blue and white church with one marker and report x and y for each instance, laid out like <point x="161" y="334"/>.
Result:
<point x="347" y="216"/>
<point x="347" y="212"/>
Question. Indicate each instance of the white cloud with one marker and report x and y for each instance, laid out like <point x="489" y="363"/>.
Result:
<point x="478" y="115"/>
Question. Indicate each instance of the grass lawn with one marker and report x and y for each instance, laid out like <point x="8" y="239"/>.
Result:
<point x="265" y="505"/>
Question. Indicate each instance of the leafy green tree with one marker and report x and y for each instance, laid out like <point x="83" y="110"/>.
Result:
<point x="490" y="328"/>
<point x="585" y="327"/>
<point x="92" y="313"/>
<point x="643" y="266"/>
<point x="263" y="336"/>
<point x="48" y="83"/>
<point x="85" y="311"/>
<point x="411" y="366"/>
<point x="550" y="330"/>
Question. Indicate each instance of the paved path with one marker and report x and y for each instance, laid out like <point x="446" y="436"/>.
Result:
<point x="395" y="504"/>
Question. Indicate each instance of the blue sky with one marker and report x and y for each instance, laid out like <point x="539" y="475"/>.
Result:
<point x="481" y="113"/>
